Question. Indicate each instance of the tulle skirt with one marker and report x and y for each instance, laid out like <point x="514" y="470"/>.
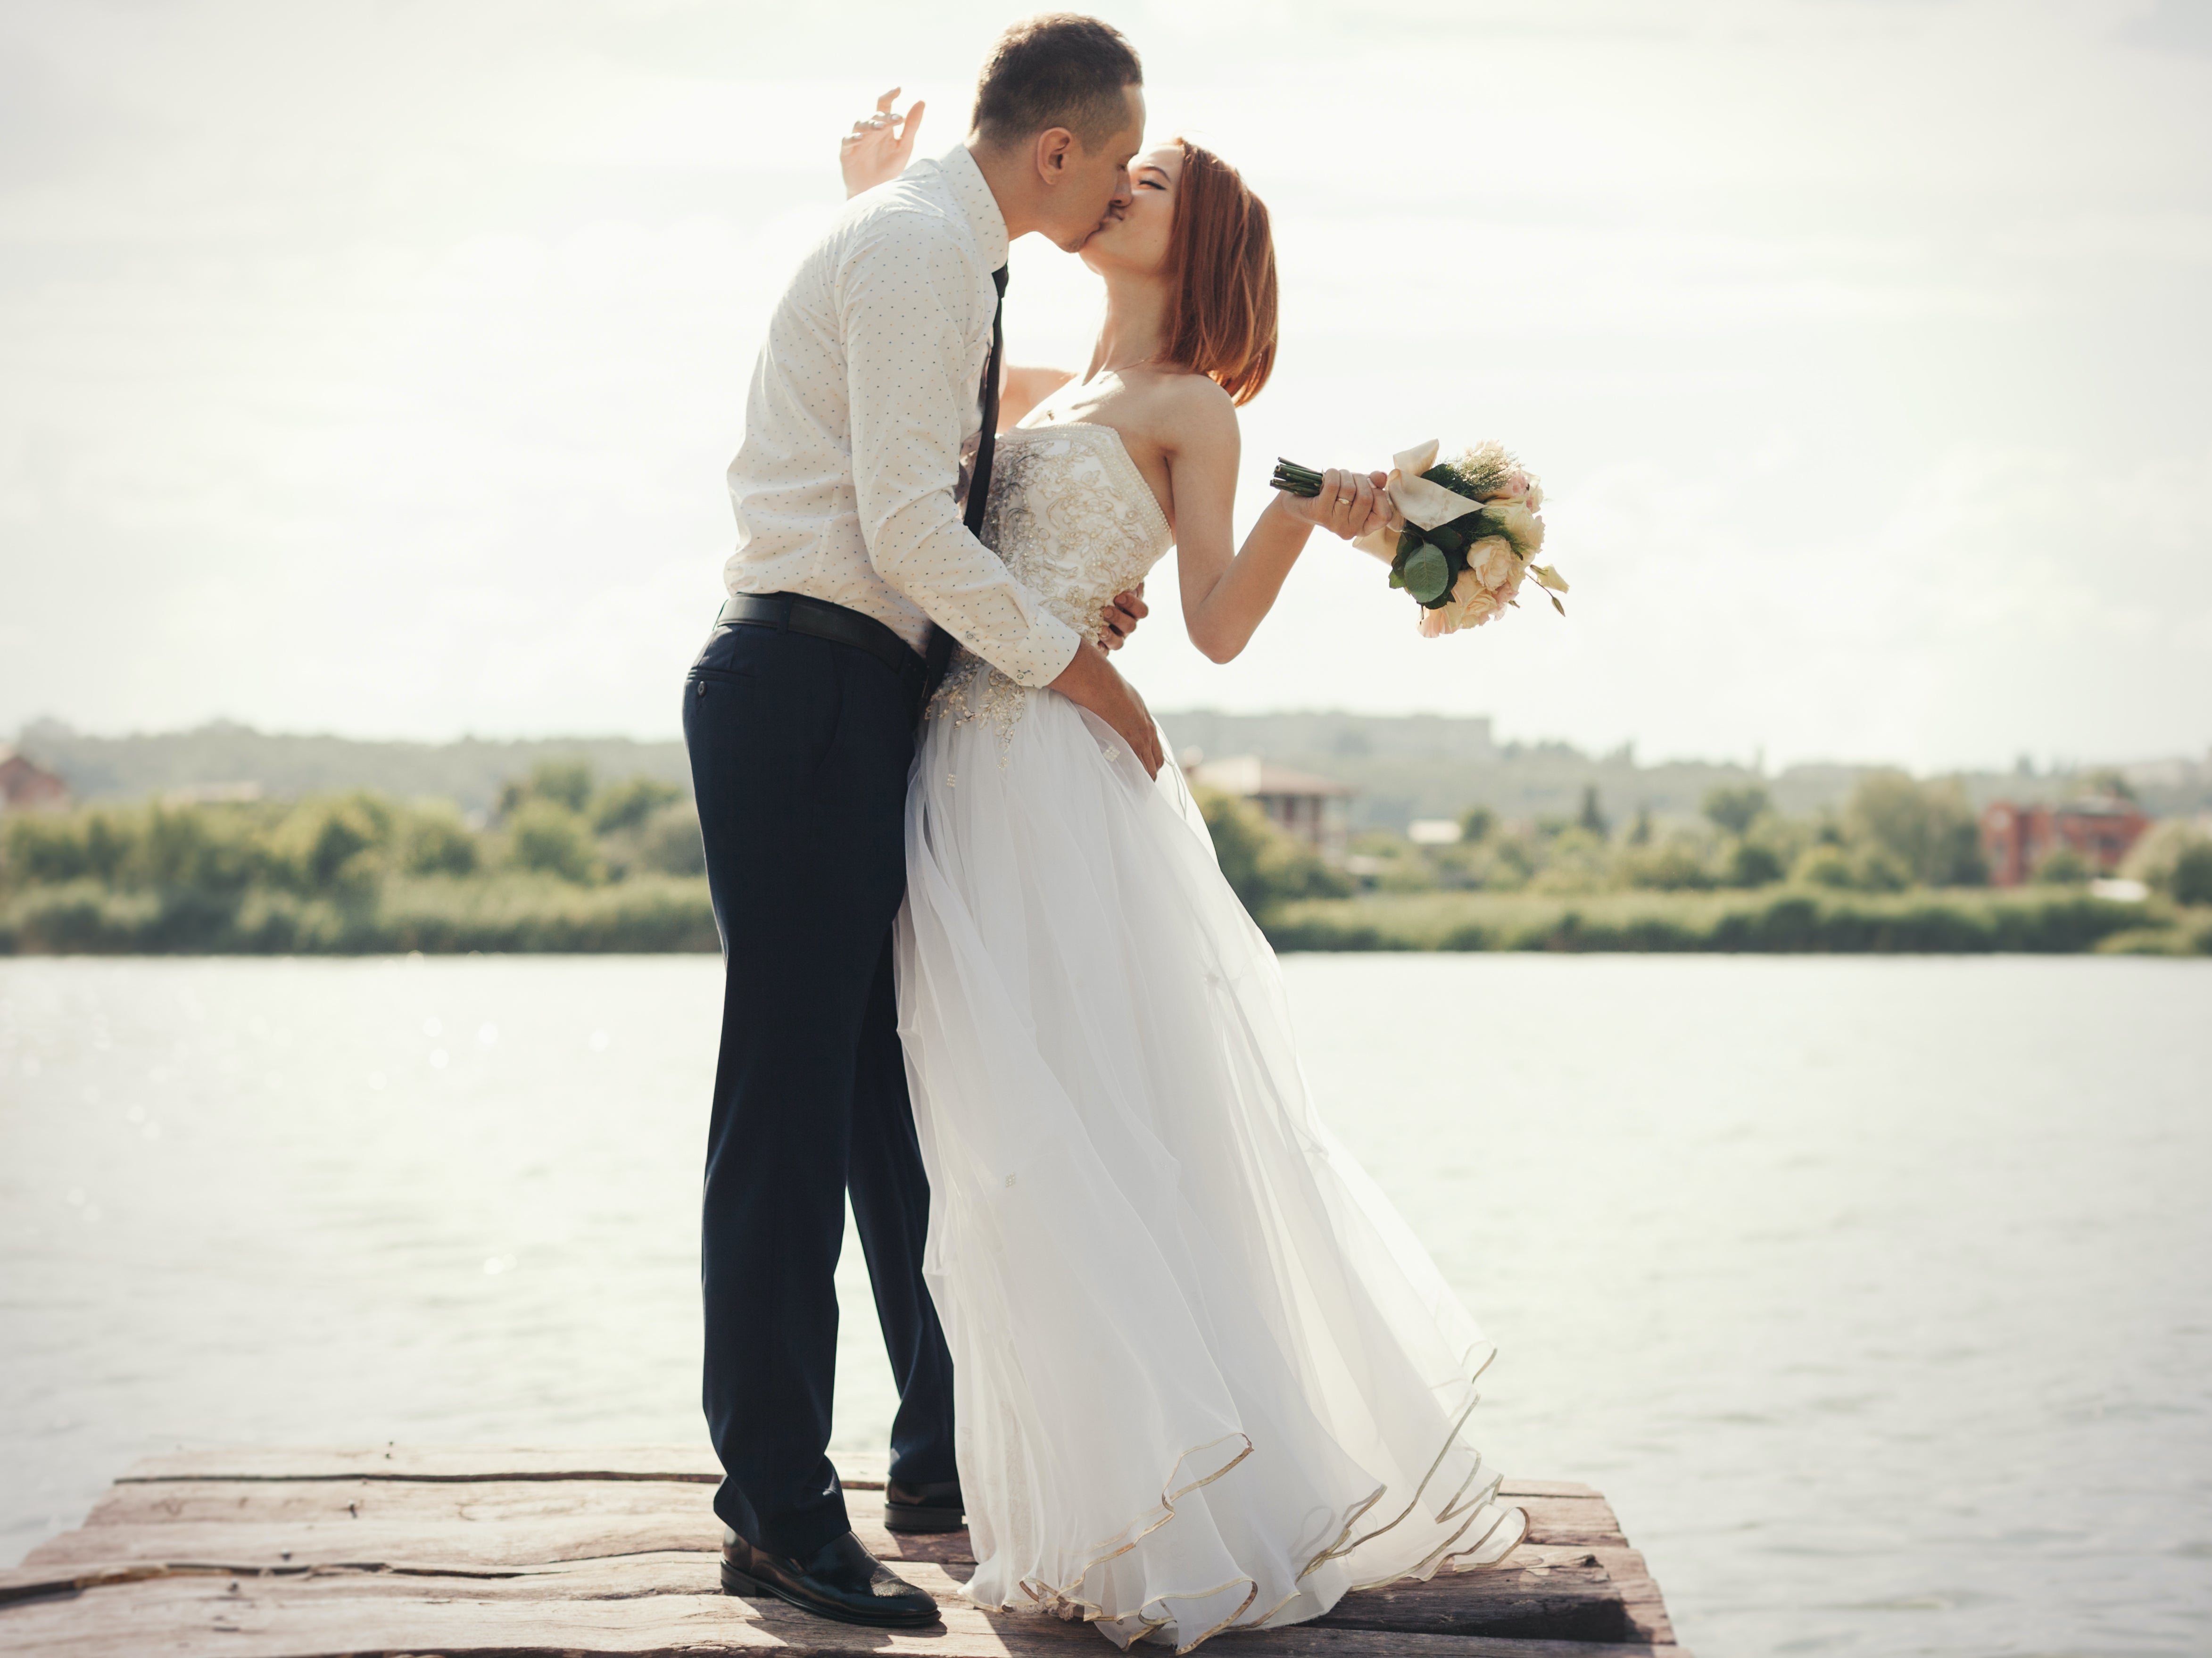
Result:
<point x="1205" y="1376"/>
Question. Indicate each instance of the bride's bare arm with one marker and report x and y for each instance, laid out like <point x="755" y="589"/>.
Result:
<point x="1225" y="595"/>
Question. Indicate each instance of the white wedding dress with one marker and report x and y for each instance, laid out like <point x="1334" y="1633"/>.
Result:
<point x="1204" y="1375"/>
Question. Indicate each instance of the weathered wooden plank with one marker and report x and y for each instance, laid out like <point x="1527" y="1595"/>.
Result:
<point x="1520" y="1488"/>
<point x="438" y="1462"/>
<point x="474" y="1527"/>
<point x="1573" y="1522"/>
<point x="861" y="1470"/>
<point x="1640" y="1592"/>
<point x="289" y="1501"/>
<point x="1560" y="1603"/>
<point x="633" y="1612"/>
<point x="441" y="1502"/>
<point x="370" y="1545"/>
<point x="673" y="1514"/>
<point x="30" y="1582"/>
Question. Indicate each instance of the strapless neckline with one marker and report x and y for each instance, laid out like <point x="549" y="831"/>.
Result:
<point x="1132" y="474"/>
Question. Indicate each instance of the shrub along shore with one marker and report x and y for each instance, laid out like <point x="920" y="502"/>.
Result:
<point x="567" y="866"/>
<point x="658" y="913"/>
<point x="1774" y="920"/>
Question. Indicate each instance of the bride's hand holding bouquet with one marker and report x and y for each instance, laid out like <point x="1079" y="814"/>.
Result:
<point x="1348" y="504"/>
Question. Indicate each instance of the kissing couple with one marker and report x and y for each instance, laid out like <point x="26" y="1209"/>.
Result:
<point x="1161" y="1345"/>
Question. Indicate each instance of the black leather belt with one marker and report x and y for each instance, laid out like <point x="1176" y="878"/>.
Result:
<point x="798" y="614"/>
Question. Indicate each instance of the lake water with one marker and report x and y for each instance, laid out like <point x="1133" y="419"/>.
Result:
<point x="1876" y="1293"/>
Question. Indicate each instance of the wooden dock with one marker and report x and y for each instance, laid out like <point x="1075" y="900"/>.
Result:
<point x="422" y="1551"/>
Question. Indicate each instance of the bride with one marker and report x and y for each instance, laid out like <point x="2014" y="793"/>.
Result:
<point x="1205" y="1376"/>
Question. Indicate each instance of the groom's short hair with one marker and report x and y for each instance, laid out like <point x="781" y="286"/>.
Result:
<point x="1056" y="69"/>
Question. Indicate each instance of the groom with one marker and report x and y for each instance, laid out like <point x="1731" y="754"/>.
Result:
<point x="856" y="569"/>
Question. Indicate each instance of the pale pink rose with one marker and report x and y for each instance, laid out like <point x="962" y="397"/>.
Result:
<point x="1490" y="562"/>
<point x="1471" y="603"/>
<point x="1516" y="487"/>
<point x="1514" y="519"/>
<point x="1535" y="499"/>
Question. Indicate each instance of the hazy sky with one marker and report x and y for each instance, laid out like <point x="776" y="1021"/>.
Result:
<point x="373" y="368"/>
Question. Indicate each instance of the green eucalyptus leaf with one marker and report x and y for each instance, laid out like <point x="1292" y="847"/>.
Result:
<point x="1428" y="573"/>
<point x="1397" y="577"/>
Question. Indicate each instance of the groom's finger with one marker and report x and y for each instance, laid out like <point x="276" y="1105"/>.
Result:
<point x="884" y="102"/>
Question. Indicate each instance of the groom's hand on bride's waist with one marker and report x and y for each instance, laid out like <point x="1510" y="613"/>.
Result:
<point x="1121" y="616"/>
<point x="1090" y="681"/>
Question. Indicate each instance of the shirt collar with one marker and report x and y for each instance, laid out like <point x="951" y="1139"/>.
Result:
<point x="972" y="191"/>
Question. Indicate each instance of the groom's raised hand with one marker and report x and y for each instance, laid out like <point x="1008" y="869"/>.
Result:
<point x="878" y="147"/>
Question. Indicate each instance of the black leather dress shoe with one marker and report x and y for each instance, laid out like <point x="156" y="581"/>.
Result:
<point x="839" y="1580"/>
<point x="934" y="1507"/>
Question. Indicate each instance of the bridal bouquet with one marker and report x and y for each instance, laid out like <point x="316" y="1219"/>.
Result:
<point x="1471" y="527"/>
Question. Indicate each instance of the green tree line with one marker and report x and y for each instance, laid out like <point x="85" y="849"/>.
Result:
<point x="1893" y="834"/>
<point x="1897" y="866"/>
<point x="564" y="863"/>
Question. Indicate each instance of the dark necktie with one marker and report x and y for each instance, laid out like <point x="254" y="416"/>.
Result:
<point x="940" y="656"/>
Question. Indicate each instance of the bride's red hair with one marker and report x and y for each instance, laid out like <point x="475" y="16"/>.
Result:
<point x="1222" y="324"/>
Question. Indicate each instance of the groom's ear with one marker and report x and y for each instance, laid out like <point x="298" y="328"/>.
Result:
<point x="1055" y="148"/>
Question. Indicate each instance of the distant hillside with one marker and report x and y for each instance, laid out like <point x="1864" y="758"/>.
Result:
<point x="1416" y="766"/>
<point x="469" y="772"/>
<point x="1429" y="766"/>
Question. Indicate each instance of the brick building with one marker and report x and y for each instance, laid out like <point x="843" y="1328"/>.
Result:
<point x="26" y="786"/>
<point x="2015" y="840"/>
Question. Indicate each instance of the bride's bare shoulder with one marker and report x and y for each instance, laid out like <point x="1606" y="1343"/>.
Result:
<point x="1191" y="407"/>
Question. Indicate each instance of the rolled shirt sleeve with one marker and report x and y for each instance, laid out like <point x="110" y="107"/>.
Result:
<point x="905" y="301"/>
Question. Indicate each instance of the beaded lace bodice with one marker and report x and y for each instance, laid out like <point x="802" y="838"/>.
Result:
<point x="1075" y="520"/>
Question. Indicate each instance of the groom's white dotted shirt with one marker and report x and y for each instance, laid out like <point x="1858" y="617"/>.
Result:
<point x="863" y="398"/>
